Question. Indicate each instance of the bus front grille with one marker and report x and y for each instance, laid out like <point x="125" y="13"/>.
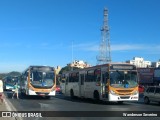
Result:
<point x="124" y="94"/>
<point x="124" y="97"/>
<point x="41" y="93"/>
<point x="124" y="91"/>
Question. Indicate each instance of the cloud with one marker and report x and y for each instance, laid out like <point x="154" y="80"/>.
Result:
<point x="10" y="44"/>
<point x="86" y="47"/>
<point x="119" y="47"/>
<point x="40" y="45"/>
<point x="19" y="28"/>
<point x="50" y="46"/>
<point x="123" y="47"/>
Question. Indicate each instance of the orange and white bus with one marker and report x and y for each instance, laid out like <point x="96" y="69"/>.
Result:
<point x="38" y="80"/>
<point x="108" y="82"/>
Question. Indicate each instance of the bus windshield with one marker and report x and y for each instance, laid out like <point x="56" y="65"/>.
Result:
<point x="11" y="81"/>
<point x="123" y="79"/>
<point x="41" y="79"/>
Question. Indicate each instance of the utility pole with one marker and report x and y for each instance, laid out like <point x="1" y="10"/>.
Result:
<point x="104" y="55"/>
<point x="72" y="57"/>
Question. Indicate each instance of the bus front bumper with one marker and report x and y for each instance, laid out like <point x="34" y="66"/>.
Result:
<point x="52" y="93"/>
<point x="123" y="97"/>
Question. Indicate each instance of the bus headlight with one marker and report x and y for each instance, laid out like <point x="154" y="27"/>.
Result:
<point x="112" y="92"/>
<point x="135" y="93"/>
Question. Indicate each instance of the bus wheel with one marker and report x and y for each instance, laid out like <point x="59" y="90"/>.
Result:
<point x="96" y="96"/>
<point x="120" y="102"/>
<point x="71" y="93"/>
<point x="22" y="93"/>
<point x="146" y="100"/>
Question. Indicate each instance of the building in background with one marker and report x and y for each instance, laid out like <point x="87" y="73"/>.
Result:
<point x="156" y="76"/>
<point x="146" y="76"/>
<point x="149" y="72"/>
<point x="139" y="62"/>
<point x="79" y="64"/>
<point x="156" y="64"/>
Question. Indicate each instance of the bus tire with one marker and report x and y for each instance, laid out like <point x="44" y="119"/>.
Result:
<point x="96" y="96"/>
<point x="23" y="93"/>
<point x="71" y="94"/>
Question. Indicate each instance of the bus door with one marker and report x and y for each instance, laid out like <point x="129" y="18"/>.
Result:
<point x="81" y="85"/>
<point x="64" y="83"/>
<point x="66" y="91"/>
<point x="104" y="87"/>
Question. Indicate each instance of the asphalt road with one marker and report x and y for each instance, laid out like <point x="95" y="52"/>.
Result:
<point x="62" y="103"/>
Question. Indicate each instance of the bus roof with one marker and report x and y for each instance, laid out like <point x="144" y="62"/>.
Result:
<point x="109" y="64"/>
<point x="103" y="65"/>
<point x="114" y="63"/>
<point x="32" y="66"/>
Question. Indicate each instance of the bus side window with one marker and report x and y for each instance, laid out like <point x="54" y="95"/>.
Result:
<point x="97" y="74"/>
<point x="107" y="75"/>
<point x="31" y="76"/>
<point x="86" y="77"/>
<point x="63" y="78"/>
<point x="98" y="78"/>
<point x="82" y="79"/>
<point x="66" y="80"/>
<point x="69" y="79"/>
<point x="105" y="78"/>
<point x="77" y="77"/>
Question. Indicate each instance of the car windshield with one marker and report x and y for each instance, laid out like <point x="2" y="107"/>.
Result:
<point x="123" y="79"/>
<point x="42" y="79"/>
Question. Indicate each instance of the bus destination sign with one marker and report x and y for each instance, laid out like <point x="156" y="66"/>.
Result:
<point x="122" y="67"/>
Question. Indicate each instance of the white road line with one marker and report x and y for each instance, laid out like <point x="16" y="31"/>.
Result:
<point x="10" y="107"/>
<point x="7" y="106"/>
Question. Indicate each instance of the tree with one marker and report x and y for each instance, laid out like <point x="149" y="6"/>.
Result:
<point x="14" y="73"/>
<point x="67" y="68"/>
<point x="2" y="75"/>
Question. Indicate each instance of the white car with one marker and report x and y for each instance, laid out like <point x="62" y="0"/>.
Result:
<point x="152" y="93"/>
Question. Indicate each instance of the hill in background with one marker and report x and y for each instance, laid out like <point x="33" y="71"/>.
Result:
<point x="13" y="73"/>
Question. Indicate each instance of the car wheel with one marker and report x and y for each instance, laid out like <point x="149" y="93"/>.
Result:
<point x="146" y="100"/>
